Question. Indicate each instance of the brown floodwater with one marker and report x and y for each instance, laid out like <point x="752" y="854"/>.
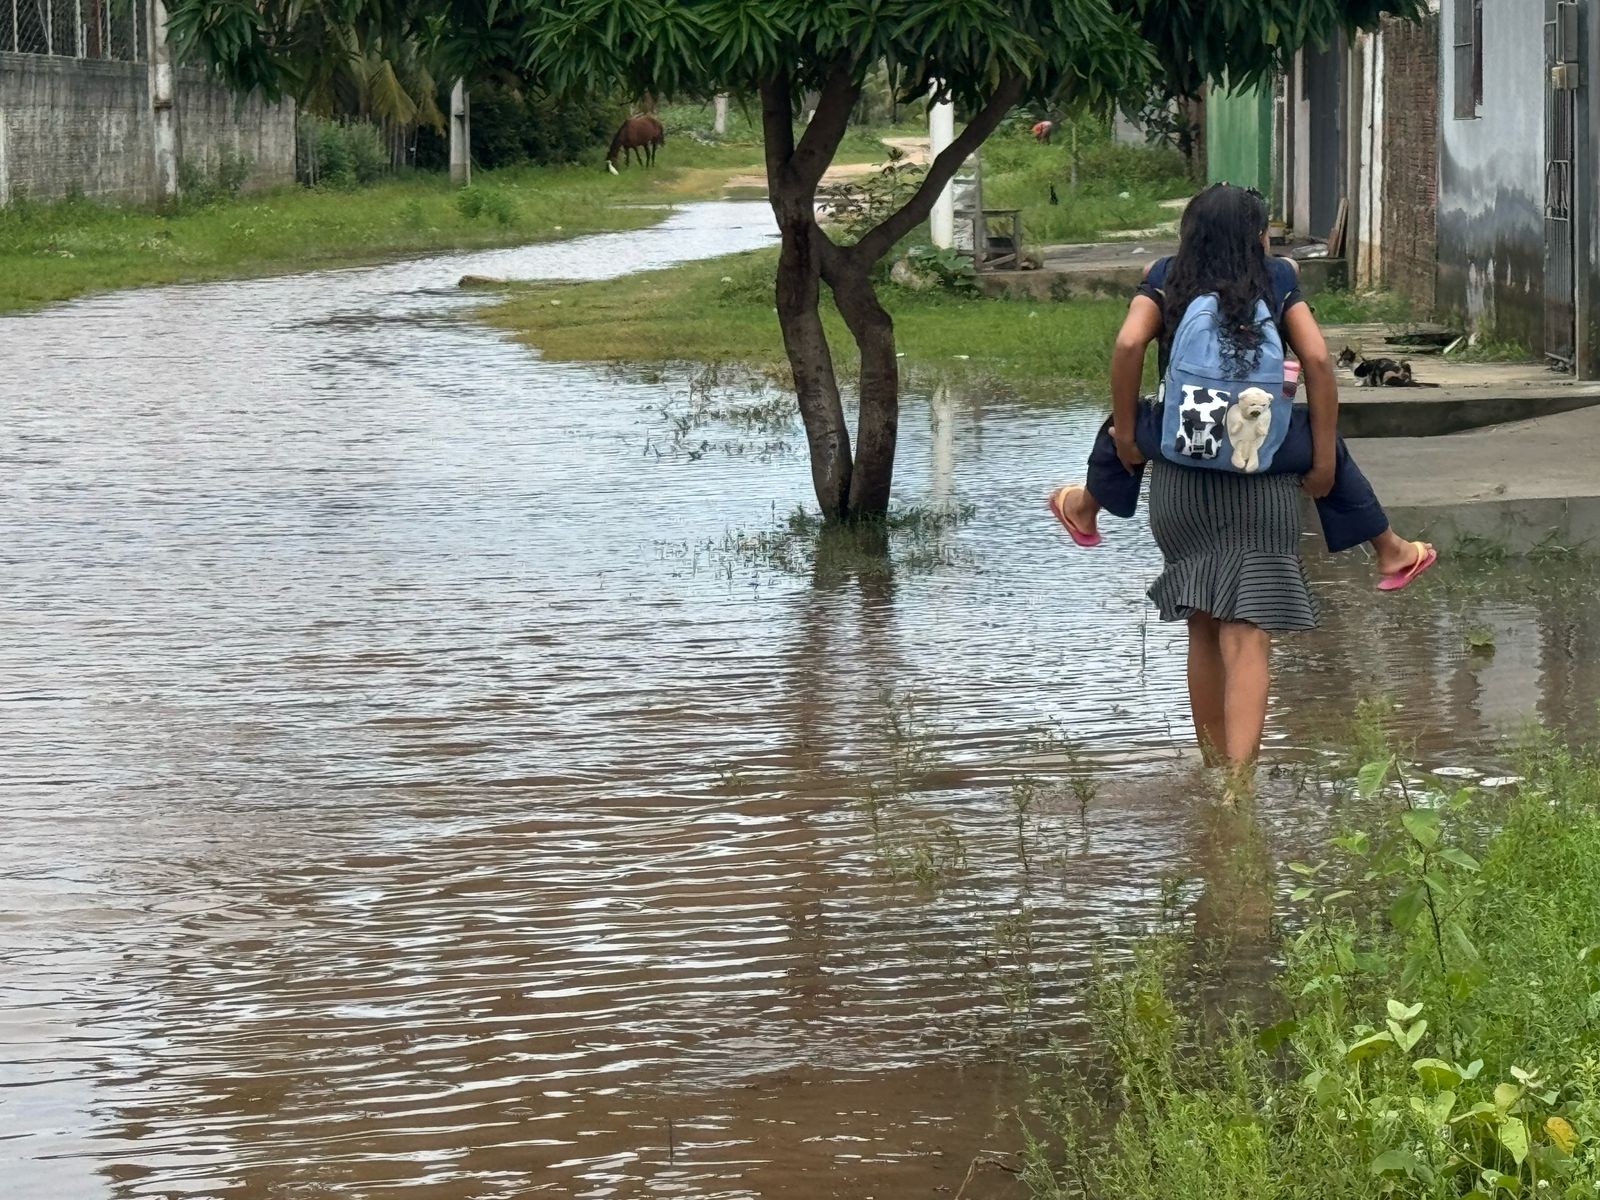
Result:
<point x="427" y="771"/>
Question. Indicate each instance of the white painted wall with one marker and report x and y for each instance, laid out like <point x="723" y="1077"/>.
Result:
<point x="1300" y="131"/>
<point x="1368" y="192"/>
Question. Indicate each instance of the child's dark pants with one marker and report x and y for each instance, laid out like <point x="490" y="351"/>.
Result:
<point x="1350" y="513"/>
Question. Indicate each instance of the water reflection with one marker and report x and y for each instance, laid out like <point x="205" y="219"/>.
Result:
<point x="415" y="780"/>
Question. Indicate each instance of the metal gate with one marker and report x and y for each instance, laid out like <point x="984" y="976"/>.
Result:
<point x="1562" y="78"/>
<point x="1322" y="88"/>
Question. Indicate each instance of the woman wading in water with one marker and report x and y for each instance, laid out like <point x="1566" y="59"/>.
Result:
<point x="1230" y="540"/>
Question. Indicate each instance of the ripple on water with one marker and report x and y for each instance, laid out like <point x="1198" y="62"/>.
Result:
<point x="424" y="775"/>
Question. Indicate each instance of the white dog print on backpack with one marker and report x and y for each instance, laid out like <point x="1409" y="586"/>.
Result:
<point x="1249" y="424"/>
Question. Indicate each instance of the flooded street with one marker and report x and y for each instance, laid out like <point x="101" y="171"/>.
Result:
<point x="424" y="771"/>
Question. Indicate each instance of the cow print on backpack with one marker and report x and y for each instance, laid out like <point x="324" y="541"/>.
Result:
<point x="1201" y="415"/>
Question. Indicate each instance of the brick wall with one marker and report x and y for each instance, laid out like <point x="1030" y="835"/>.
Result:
<point x="1411" y="157"/>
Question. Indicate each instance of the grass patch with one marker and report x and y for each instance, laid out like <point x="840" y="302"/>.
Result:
<point x="1493" y="350"/>
<point x="56" y="251"/>
<point x="1361" y="308"/>
<point x="1433" y="1032"/>
<point x="1119" y="188"/>
<point x="721" y="311"/>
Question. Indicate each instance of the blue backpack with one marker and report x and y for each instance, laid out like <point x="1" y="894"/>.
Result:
<point x="1216" y="415"/>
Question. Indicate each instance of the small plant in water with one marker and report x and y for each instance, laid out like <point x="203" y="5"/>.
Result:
<point x="928" y="851"/>
<point x="1012" y="961"/>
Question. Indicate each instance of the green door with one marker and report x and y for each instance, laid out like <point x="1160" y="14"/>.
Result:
<point x="1239" y="138"/>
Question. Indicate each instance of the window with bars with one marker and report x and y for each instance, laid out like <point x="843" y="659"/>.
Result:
<point x="1468" y="58"/>
<point x="105" y="29"/>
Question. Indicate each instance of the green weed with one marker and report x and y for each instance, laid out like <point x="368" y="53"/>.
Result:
<point x="1100" y="187"/>
<point x="1435" y="1032"/>
<point x="1361" y="308"/>
<point x="720" y="312"/>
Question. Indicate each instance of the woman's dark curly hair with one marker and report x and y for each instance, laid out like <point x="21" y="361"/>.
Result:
<point x="1220" y="250"/>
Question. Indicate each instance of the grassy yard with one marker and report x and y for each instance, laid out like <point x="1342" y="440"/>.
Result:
<point x="1119" y="188"/>
<point x="52" y="252"/>
<point x="721" y="311"/>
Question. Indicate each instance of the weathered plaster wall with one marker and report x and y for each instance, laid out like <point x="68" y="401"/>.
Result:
<point x="81" y="126"/>
<point x="1491" y="180"/>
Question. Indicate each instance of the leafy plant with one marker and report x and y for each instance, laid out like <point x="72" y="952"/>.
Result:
<point x="200" y="184"/>
<point x="856" y="206"/>
<point x="475" y="202"/>
<point x="340" y="154"/>
<point x="953" y="269"/>
<point x="1435" y="1033"/>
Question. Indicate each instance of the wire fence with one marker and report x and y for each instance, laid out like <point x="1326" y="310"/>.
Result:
<point x="113" y="30"/>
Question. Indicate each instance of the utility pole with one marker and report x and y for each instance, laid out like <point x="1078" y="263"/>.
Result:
<point x="460" y="135"/>
<point x="941" y="132"/>
<point x="163" y="106"/>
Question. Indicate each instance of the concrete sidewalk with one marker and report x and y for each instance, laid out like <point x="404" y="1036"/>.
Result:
<point x="1469" y="395"/>
<point x="1514" y="486"/>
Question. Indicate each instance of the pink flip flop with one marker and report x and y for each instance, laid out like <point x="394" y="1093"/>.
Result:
<point x="1426" y="557"/>
<point x="1087" y="540"/>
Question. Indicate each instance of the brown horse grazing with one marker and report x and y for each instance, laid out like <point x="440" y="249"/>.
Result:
<point x="638" y="135"/>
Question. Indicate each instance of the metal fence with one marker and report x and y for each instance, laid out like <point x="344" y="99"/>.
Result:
<point x="105" y="29"/>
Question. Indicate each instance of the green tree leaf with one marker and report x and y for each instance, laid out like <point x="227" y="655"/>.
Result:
<point x="1395" y="1163"/>
<point x="1403" y="1012"/>
<point x="1377" y="1043"/>
<point x="1459" y="858"/>
<point x="1513" y="1135"/>
<point x="1370" y="778"/>
<point x="1423" y="826"/>
<point x="1436" y="1073"/>
<point x="1407" y="907"/>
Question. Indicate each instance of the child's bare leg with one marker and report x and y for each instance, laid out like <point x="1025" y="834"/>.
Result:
<point x="1206" y="688"/>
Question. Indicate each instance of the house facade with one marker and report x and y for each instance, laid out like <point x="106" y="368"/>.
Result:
<point x="1463" y="154"/>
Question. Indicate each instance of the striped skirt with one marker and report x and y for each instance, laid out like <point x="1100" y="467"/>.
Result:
<point x="1232" y="547"/>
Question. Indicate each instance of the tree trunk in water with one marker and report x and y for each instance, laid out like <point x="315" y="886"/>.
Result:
<point x="879" y="425"/>
<point x="798" y="294"/>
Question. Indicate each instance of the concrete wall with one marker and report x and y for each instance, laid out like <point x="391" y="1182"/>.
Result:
<point x="71" y="125"/>
<point x="1491" y="179"/>
<point x="1588" y="183"/>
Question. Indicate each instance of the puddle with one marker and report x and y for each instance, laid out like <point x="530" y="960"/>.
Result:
<point x="421" y="777"/>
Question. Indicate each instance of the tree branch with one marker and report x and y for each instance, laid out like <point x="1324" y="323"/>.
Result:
<point x="881" y="239"/>
<point x="777" y="124"/>
<point x="814" y="154"/>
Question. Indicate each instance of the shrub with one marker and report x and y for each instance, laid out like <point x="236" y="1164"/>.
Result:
<point x="341" y="154"/>
<point x="953" y="269"/>
<point x="511" y="127"/>
<point x="475" y="202"/>
<point x="200" y="184"/>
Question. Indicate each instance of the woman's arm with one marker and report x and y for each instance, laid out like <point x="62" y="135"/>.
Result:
<point x="1139" y="329"/>
<point x="1322" y="394"/>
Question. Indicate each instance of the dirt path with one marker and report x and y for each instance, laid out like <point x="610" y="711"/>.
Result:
<point x="914" y="148"/>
